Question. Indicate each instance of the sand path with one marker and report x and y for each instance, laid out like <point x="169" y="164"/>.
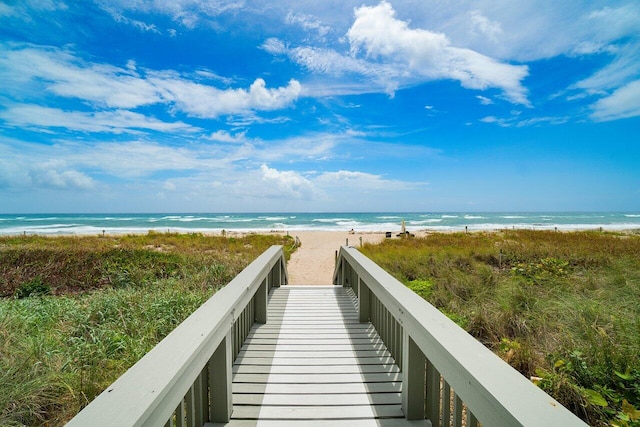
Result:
<point x="313" y="263"/>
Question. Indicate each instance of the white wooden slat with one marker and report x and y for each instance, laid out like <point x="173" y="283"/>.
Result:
<point x="317" y="412"/>
<point x="312" y="341"/>
<point x="316" y="378"/>
<point x="385" y="387"/>
<point x="317" y="369"/>
<point x="346" y="399"/>
<point x="252" y="352"/>
<point x="314" y="361"/>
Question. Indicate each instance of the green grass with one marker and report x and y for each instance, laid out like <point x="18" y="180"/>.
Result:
<point x="562" y="307"/>
<point x="78" y="312"/>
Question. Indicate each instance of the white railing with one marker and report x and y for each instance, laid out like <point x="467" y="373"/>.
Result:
<point x="185" y="380"/>
<point x="448" y="375"/>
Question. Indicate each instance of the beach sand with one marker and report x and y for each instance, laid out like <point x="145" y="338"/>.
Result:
<point x="313" y="262"/>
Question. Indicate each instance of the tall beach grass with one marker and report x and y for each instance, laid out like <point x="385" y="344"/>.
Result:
<point x="562" y="308"/>
<point x="78" y="311"/>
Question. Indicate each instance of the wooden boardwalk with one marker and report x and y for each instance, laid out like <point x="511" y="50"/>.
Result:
<point x="314" y="363"/>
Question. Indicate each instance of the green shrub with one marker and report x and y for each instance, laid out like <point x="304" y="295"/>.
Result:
<point x="34" y="287"/>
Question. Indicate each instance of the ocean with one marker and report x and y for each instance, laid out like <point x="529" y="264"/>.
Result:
<point x="70" y="224"/>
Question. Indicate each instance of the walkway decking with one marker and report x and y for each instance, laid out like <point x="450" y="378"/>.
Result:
<point x="313" y="363"/>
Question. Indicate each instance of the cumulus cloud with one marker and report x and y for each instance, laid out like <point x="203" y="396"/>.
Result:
<point x="64" y="74"/>
<point x="209" y="102"/>
<point x="622" y="103"/>
<point x="430" y="55"/>
<point x="44" y="177"/>
<point x="288" y="184"/>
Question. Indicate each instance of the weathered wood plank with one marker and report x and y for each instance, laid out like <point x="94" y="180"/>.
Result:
<point x="342" y="388"/>
<point x="253" y="352"/>
<point x="316" y="378"/>
<point x="346" y="399"/>
<point x="314" y="361"/>
<point x="317" y="412"/>
<point x="311" y="369"/>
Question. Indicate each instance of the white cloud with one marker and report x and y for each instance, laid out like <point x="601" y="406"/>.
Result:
<point x="274" y="46"/>
<point x="118" y="121"/>
<point x="288" y="184"/>
<point x="209" y="102"/>
<point x="429" y="55"/>
<point x="44" y="177"/>
<point x="362" y="181"/>
<point x="224" y="136"/>
<point x="484" y="100"/>
<point x="623" y="103"/>
<point x="483" y="25"/>
<point x="515" y="120"/>
<point x="307" y="22"/>
<point x="187" y="12"/>
<point x="64" y="74"/>
<point x="624" y="67"/>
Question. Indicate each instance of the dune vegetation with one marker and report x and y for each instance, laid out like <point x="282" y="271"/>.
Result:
<point x="561" y="308"/>
<point x="76" y="312"/>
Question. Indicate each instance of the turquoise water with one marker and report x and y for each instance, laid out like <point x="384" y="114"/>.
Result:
<point x="54" y="224"/>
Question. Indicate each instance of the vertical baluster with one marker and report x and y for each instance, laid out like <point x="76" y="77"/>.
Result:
<point x="446" y="404"/>
<point x="191" y="420"/>
<point x="433" y="394"/>
<point x="413" y="380"/>
<point x="457" y="411"/>
<point x="219" y="379"/>
<point x="180" y="414"/>
<point x="261" y="302"/>
<point x="197" y="400"/>
<point x="363" y="301"/>
<point x="399" y="334"/>
<point x="205" y="393"/>
<point x="472" y="421"/>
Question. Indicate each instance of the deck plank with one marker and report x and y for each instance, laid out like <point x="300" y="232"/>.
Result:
<point x="314" y="363"/>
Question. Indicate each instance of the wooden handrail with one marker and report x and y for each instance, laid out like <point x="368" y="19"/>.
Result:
<point x="187" y="376"/>
<point x="493" y="392"/>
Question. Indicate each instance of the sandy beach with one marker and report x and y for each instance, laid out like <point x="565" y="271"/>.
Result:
<point x="313" y="263"/>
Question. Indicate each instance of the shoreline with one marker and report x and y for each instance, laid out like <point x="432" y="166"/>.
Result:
<point x="363" y="223"/>
<point x="418" y="231"/>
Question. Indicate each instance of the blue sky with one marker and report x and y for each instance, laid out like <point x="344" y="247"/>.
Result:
<point x="244" y="106"/>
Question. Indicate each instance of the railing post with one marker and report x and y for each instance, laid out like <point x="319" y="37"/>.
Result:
<point x="261" y="299"/>
<point x="220" y="369"/>
<point x="413" y="379"/>
<point x="363" y="301"/>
